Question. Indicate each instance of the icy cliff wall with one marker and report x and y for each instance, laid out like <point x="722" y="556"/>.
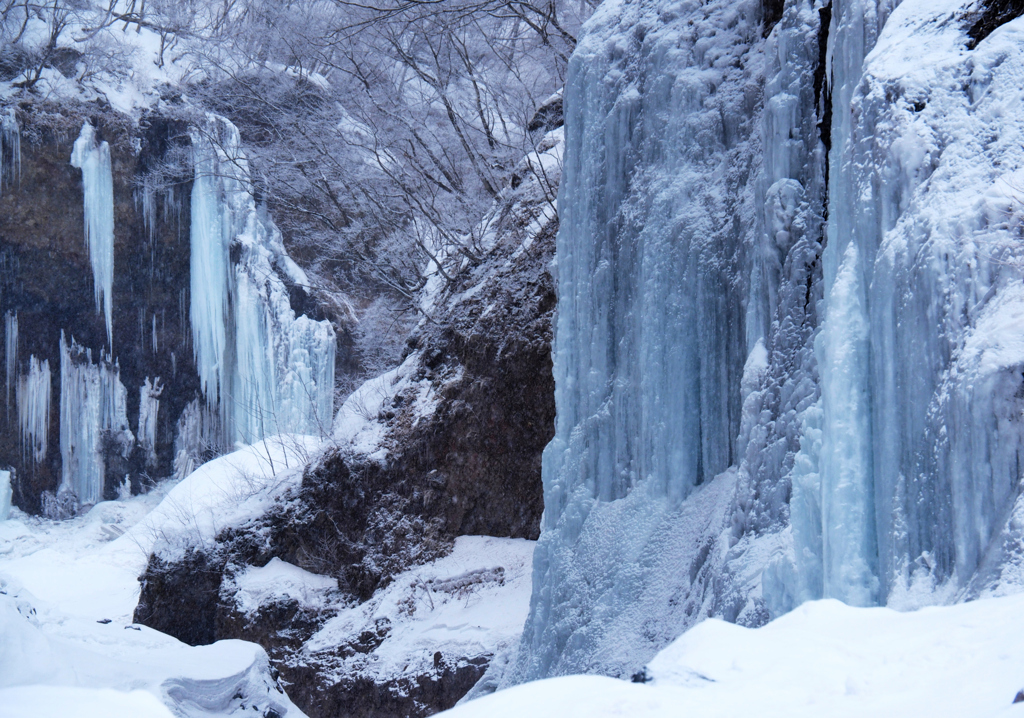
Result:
<point x="105" y="334"/>
<point x="787" y="349"/>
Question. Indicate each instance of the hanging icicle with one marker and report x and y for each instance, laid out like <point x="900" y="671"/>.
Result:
<point x="98" y="189"/>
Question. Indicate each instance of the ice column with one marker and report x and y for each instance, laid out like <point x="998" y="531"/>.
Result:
<point x="265" y="369"/>
<point x="93" y="418"/>
<point x="10" y="148"/>
<point x="849" y="544"/>
<point x="98" y="188"/>
<point x="6" y="494"/>
<point x="34" y="410"/>
<point x="11" y="355"/>
<point x="149" y="407"/>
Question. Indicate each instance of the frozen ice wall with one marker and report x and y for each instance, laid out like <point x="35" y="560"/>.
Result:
<point x="921" y="350"/>
<point x="788" y="355"/>
<point x="93" y="420"/>
<point x="267" y="370"/>
<point x="98" y="191"/>
<point x="680" y="245"/>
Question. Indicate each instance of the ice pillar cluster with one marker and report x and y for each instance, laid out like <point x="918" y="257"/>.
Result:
<point x="788" y="352"/>
<point x="267" y="370"/>
<point x="93" y="420"/>
<point x="98" y="189"/>
<point x="34" y="410"/>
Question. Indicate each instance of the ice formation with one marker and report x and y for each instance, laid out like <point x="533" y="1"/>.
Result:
<point x="149" y="408"/>
<point x="11" y="353"/>
<point x="267" y="370"/>
<point x="6" y="493"/>
<point x="759" y="401"/>
<point x="10" y="148"/>
<point x="34" y="410"/>
<point x="93" y="420"/>
<point x="98" y="191"/>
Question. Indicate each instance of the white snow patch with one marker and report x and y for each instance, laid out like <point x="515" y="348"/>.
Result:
<point x="823" y="659"/>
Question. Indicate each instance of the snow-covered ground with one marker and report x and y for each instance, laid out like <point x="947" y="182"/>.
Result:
<point x="823" y="659"/>
<point x="68" y="590"/>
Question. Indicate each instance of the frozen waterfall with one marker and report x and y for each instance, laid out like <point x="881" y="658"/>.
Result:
<point x="98" y="191"/>
<point x="267" y="370"/>
<point x="93" y="420"/>
<point x="761" y="402"/>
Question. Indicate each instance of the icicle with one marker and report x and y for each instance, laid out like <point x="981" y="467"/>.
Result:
<point x="98" y="188"/>
<point x="93" y="406"/>
<point x="34" y="410"/>
<point x="6" y="493"/>
<point x="149" y="406"/>
<point x="155" y="344"/>
<point x="11" y="356"/>
<point x="10" y="148"/>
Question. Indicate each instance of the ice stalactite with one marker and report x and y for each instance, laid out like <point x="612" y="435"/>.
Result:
<point x="93" y="420"/>
<point x="98" y="190"/>
<point x="149" y="408"/>
<point x="10" y="148"/>
<point x="267" y="370"/>
<point x="34" y="410"/>
<point x="6" y="494"/>
<point x="11" y="353"/>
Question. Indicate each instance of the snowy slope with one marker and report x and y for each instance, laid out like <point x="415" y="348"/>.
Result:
<point x="823" y="659"/>
<point x="68" y="590"/>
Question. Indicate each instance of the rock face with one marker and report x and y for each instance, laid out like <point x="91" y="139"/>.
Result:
<point x="448" y="444"/>
<point x="46" y="280"/>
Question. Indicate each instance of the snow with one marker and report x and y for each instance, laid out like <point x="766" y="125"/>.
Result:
<point x="98" y="195"/>
<point x="472" y="602"/>
<point x="59" y="579"/>
<point x="281" y="581"/>
<point x="824" y="658"/>
<point x="39" y="702"/>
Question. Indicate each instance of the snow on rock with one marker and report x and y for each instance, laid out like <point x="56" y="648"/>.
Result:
<point x="824" y="658"/>
<point x="471" y="603"/>
<point x="280" y="581"/>
<point x="227" y="491"/>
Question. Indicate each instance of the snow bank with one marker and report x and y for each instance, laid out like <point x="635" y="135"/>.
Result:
<point x="824" y="658"/>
